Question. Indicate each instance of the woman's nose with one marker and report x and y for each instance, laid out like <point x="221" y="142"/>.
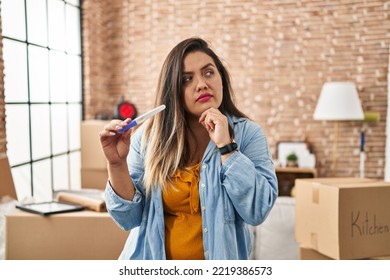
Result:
<point x="201" y="84"/>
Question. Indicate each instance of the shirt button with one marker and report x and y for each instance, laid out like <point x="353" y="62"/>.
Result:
<point x="203" y="185"/>
<point x="203" y="208"/>
<point x="204" y="166"/>
<point x="206" y="253"/>
<point x="205" y="229"/>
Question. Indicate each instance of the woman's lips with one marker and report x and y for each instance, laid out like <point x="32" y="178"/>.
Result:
<point x="204" y="97"/>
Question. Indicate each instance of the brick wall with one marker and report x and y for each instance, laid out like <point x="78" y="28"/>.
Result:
<point x="278" y="52"/>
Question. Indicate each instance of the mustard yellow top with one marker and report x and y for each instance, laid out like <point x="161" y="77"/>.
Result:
<point x="182" y="216"/>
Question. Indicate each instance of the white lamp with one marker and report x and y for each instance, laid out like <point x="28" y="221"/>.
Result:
<point x="339" y="101"/>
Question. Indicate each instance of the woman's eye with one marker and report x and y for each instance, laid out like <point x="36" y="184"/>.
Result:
<point x="187" y="79"/>
<point x="209" y="73"/>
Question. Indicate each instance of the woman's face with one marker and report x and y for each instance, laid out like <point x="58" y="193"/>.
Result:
<point x="202" y="83"/>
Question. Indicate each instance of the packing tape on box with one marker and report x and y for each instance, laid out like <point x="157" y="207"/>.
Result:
<point x="314" y="240"/>
<point x="315" y="195"/>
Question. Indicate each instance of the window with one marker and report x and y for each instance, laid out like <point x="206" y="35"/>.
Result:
<point x="43" y="94"/>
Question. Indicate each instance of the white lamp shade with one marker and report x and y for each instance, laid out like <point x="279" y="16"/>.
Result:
<point x="339" y="101"/>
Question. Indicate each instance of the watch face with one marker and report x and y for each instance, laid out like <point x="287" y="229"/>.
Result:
<point x="228" y="148"/>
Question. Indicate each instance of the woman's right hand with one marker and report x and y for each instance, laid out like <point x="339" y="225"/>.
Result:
<point x="115" y="146"/>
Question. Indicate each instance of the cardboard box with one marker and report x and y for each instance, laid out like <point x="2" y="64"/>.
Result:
<point x="7" y="187"/>
<point x="94" y="178"/>
<point x="343" y="218"/>
<point x="311" y="254"/>
<point x="92" y="156"/>
<point x="84" y="235"/>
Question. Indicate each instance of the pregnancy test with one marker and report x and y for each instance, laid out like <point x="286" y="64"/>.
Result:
<point x="142" y="118"/>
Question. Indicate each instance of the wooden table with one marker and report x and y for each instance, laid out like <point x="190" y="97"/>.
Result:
<point x="287" y="175"/>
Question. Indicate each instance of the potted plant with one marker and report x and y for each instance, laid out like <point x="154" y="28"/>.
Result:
<point x="292" y="160"/>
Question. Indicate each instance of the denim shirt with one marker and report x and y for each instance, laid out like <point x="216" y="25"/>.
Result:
<point x="242" y="191"/>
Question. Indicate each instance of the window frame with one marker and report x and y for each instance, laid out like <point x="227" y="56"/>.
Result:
<point x="72" y="154"/>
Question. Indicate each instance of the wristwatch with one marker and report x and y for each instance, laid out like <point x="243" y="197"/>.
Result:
<point x="228" y="148"/>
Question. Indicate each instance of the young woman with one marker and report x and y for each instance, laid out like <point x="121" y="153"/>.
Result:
<point x="190" y="180"/>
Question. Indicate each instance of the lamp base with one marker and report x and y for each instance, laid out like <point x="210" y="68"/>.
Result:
<point x="334" y="149"/>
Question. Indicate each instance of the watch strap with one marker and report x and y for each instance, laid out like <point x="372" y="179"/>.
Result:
<point x="228" y="148"/>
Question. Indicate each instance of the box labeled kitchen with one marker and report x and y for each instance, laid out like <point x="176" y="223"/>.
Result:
<point x="344" y="218"/>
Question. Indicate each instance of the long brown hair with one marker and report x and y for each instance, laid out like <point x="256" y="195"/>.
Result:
<point x="164" y="142"/>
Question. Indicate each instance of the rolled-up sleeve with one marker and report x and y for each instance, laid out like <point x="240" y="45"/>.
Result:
<point x="128" y="213"/>
<point x="248" y="177"/>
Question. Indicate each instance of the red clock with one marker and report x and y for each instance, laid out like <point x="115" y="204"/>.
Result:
<point x="125" y="110"/>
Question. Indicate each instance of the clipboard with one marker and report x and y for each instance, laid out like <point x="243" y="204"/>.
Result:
<point x="50" y="207"/>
